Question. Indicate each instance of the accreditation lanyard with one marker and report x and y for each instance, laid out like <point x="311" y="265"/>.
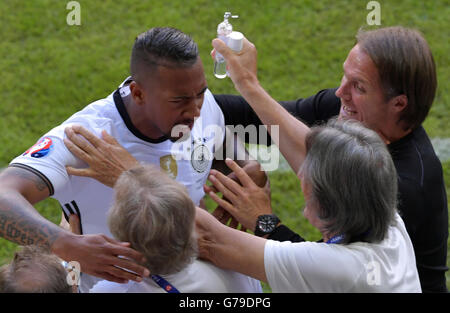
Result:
<point x="336" y="239"/>
<point x="164" y="284"/>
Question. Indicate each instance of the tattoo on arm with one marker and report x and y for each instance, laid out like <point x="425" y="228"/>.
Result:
<point x="23" y="225"/>
<point x="19" y="221"/>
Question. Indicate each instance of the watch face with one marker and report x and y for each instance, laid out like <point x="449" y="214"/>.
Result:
<point x="267" y="223"/>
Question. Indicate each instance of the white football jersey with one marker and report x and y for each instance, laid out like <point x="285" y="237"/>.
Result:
<point x="188" y="161"/>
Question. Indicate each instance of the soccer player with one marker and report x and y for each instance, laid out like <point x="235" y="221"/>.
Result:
<point x="167" y="91"/>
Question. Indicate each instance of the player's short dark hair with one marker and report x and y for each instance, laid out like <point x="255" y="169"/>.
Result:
<point x="161" y="46"/>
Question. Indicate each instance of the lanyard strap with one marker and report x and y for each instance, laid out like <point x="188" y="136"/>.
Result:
<point x="164" y="284"/>
<point x="336" y="239"/>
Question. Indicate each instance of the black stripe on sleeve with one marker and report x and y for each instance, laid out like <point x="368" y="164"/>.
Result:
<point x="65" y="214"/>
<point x="78" y="213"/>
<point x="69" y="208"/>
<point x="37" y="173"/>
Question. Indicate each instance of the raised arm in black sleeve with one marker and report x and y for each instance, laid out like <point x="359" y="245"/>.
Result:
<point x="317" y="108"/>
<point x="236" y="110"/>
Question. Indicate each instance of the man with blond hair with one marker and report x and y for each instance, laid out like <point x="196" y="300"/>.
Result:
<point x="155" y="214"/>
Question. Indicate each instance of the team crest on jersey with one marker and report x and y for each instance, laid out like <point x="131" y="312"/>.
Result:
<point x="40" y="149"/>
<point x="169" y="165"/>
<point x="200" y="158"/>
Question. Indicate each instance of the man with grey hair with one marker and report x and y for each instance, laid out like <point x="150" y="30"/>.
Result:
<point x="350" y="187"/>
<point x="155" y="214"/>
<point x="389" y="84"/>
<point x="34" y="270"/>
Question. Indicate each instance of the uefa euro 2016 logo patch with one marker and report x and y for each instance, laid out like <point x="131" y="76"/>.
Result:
<point x="40" y="149"/>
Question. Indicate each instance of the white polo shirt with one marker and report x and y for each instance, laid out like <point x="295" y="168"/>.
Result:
<point x="388" y="266"/>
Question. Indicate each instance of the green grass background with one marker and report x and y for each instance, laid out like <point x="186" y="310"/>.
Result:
<point x="49" y="70"/>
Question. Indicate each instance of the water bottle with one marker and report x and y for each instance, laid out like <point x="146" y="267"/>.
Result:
<point x="224" y="29"/>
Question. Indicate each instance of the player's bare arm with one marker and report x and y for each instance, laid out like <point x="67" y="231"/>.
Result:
<point x="22" y="224"/>
<point x="19" y="221"/>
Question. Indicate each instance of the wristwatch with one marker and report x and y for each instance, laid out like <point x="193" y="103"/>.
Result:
<point x="265" y="224"/>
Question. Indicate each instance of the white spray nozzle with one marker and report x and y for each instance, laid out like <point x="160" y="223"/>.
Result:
<point x="227" y="15"/>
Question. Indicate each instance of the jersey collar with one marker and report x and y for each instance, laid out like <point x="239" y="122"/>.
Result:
<point x="120" y="105"/>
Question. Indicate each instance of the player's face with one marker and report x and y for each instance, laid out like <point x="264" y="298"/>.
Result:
<point x="174" y="96"/>
<point x="361" y="94"/>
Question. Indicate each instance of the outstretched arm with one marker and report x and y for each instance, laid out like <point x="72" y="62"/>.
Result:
<point x="229" y="248"/>
<point x="19" y="221"/>
<point x="292" y="132"/>
<point x="22" y="224"/>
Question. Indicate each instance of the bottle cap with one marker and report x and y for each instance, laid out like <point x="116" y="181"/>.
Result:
<point x="235" y="41"/>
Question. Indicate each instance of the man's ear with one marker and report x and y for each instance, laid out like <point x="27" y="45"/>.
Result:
<point x="399" y="103"/>
<point x="137" y="93"/>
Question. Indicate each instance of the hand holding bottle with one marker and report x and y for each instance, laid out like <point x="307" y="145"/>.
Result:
<point x="242" y="66"/>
